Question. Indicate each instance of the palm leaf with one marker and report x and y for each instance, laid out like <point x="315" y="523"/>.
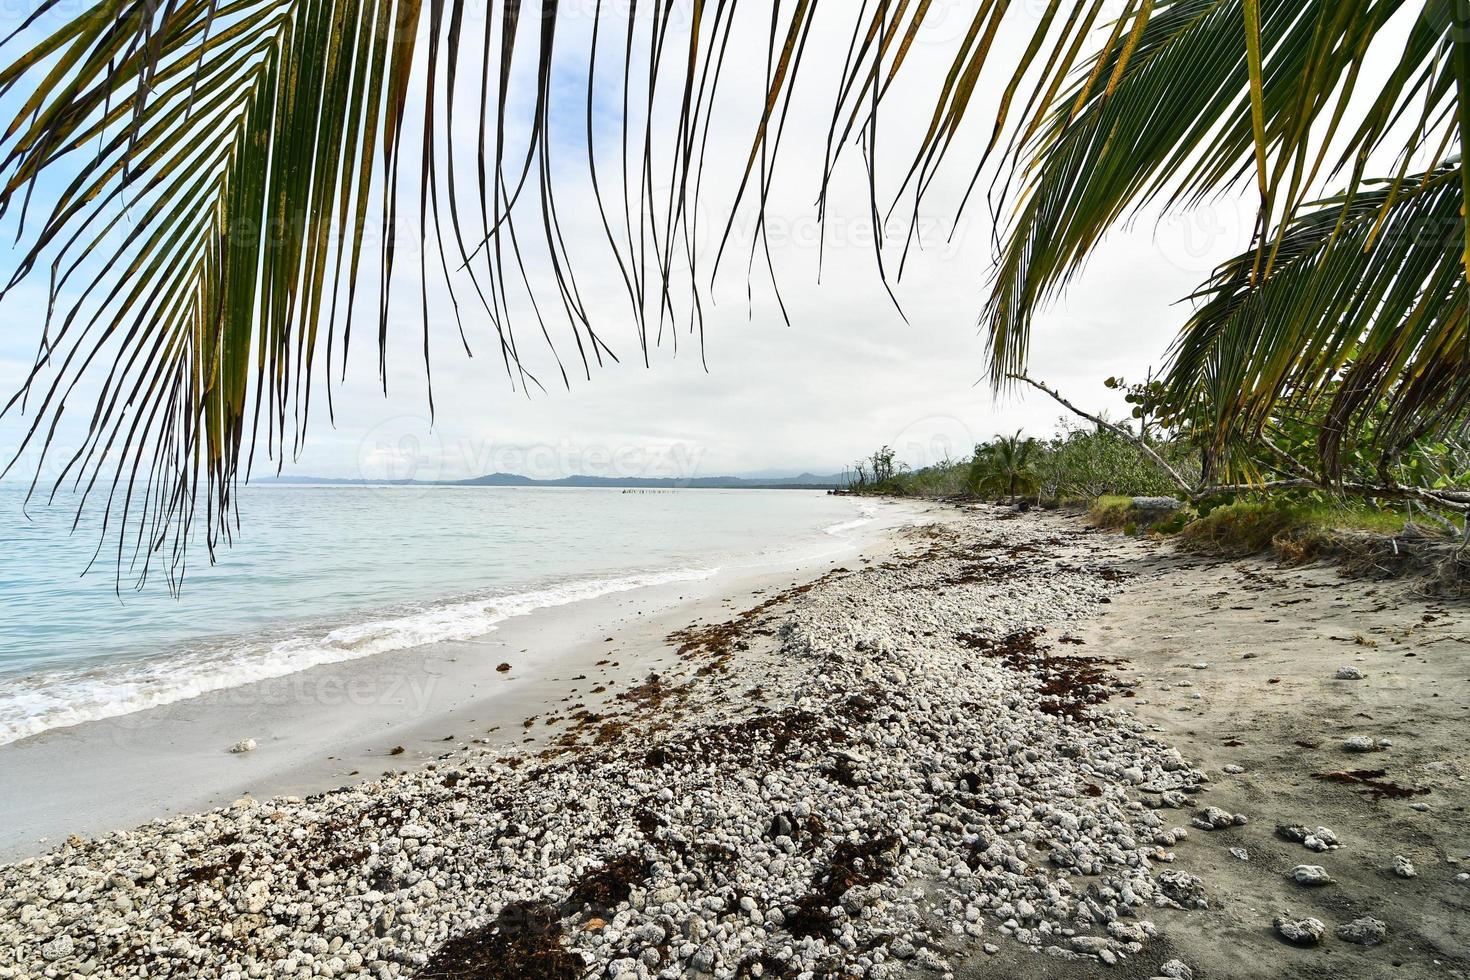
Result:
<point x="1200" y="105"/>
<point x="226" y="182"/>
<point x="234" y="192"/>
<point x="1338" y="324"/>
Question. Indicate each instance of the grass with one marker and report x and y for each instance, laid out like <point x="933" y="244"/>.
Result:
<point x="1111" y="511"/>
<point x="1295" y="531"/>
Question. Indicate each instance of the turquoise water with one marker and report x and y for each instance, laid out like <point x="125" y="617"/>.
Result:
<point x="325" y="574"/>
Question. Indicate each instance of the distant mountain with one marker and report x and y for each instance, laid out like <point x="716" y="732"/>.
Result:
<point x="806" y="481"/>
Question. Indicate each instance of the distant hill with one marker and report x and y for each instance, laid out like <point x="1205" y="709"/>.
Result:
<point x="806" y="481"/>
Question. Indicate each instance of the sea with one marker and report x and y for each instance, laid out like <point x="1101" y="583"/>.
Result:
<point x="323" y="574"/>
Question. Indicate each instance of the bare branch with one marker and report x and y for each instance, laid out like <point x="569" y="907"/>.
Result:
<point x="1454" y="499"/>
<point x="1447" y="500"/>
<point x="1189" y="490"/>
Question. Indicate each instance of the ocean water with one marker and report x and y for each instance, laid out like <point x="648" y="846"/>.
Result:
<point x="326" y="574"/>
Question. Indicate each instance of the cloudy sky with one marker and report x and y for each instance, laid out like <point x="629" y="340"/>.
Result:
<point x="847" y="374"/>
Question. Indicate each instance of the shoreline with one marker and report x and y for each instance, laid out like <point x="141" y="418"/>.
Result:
<point x="1013" y="745"/>
<point x="339" y="723"/>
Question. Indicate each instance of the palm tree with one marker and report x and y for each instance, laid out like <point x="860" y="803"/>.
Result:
<point x="223" y="185"/>
<point x="1005" y="467"/>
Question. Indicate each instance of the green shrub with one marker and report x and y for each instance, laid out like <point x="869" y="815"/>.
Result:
<point x="1294" y="530"/>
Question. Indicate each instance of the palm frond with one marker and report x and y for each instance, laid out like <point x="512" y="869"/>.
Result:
<point x="228" y="194"/>
<point x="225" y="188"/>
<point x="1203" y="103"/>
<point x="1338" y="323"/>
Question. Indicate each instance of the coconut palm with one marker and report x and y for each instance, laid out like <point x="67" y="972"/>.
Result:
<point x="222" y="189"/>
<point x="1005" y="467"/>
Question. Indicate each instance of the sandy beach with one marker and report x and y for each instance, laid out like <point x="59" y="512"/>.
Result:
<point x="987" y="744"/>
<point x="341" y="723"/>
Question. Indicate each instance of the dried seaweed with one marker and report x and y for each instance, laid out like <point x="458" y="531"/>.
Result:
<point x="523" y="943"/>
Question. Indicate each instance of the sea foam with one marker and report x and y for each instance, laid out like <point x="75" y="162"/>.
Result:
<point x="46" y="700"/>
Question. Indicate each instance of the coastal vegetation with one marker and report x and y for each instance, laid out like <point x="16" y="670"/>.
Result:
<point x="1151" y="474"/>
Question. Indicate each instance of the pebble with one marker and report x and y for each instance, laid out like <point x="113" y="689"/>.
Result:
<point x="1322" y="839"/>
<point x="1310" y="875"/>
<point x="242" y="746"/>
<point x="1349" y="674"/>
<point x="1359" y="743"/>
<point x="57" y="949"/>
<point x="1366" y="931"/>
<point x="1403" y="867"/>
<point x="1301" y="932"/>
<point x="1214" y="818"/>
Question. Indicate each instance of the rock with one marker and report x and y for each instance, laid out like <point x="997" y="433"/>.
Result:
<point x="1349" y="674"/>
<point x="1090" y="945"/>
<point x="1359" y="743"/>
<point x="1184" y="888"/>
<point x="1240" y="854"/>
<point x="243" y="746"/>
<point x="1366" y="931"/>
<point x="257" y="896"/>
<point x="1403" y="867"/>
<point x="1150" y="510"/>
<point x="57" y="949"/>
<point x="703" y="959"/>
<point x="1214" y="818"/>
<point x="1310" y="875"/>
<point x="502" y="668"/>
<point x="1232" y="770"/>
<point x="1176" y="970"/>
<point x="1322" y="839"/>
<point x="1300" y="932"/>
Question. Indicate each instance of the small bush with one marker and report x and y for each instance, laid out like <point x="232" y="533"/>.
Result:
<point x="1124" y="512"/>
<point x="1111" y="512"/>
<point x="1296" y="532"/>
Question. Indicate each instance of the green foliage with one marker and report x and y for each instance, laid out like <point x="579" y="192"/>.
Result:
<point x="1092" y="463"/>
<point x="1293" y="527"/>
<point x="1075" y="463"/>
<point x="1381" y="356"/>
<point x="1005" y="467"/>
<point x="1120" y="512"/>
